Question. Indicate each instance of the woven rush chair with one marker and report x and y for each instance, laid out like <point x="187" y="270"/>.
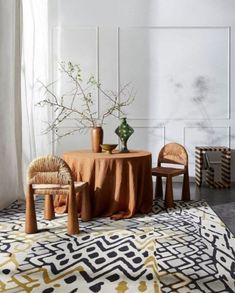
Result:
<point x="172" y="153"/>
<point x="48" y="176"/>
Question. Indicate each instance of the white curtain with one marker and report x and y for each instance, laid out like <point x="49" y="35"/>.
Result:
<point x="23" y="61"/>
<point x="34" y="71"/>
<point x="10" y="106"/>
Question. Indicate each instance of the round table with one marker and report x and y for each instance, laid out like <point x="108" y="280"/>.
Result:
<point x="120" y="184"/>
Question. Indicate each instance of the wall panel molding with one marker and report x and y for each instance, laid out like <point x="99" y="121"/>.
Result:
<point x="63" y="48"/>
<point x="185" y="128"/>
<point x="221" y="138"/>
<point x="227" y="128"/>
<point x="152" y="142"/>
<point x="227" y="32"/>
<point x="58" y="30"/>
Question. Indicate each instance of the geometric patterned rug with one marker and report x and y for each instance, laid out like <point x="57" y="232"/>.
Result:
<point x="185" y="249"/>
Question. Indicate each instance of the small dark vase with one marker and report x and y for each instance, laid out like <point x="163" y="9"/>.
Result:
<point x="96" y="139"/>
<point x="124" y="131"/>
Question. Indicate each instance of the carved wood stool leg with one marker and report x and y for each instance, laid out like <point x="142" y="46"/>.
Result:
<point x="186" y="189"/>
<point x="30" y="215"/>
<point x="158" y="189"/>
<point x="86" y="204"/>
<point x="73" y="227"/>
<point x="49" y="212"/>
<point x="169" y="203"/>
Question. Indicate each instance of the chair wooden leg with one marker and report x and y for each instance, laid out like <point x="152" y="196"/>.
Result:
<point x="86" y="204"/>
<point x="30" y="216"/>
<point x="169" y="203"/>
<point x="186" y="189"/>
<point x="158" y="189"/>
<point x="73" y="227"/>
<point x="49" y="212"/>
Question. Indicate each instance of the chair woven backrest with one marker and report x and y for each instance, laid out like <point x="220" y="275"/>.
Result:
<point x="173" y="153"/>
<point x="49" y="170"/>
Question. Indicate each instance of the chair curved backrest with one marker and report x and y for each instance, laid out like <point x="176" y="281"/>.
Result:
<point x="49" y="170"/>
<point x="173" y="153"/>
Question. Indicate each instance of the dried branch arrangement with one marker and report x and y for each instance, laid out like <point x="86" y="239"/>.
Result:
<point x="78" y="105"/>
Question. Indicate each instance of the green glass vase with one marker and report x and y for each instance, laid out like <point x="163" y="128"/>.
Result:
<point x="124" y="131"/>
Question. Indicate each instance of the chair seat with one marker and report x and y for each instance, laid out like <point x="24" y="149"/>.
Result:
<point x="166" y="171"/>
<point x="57" y="188"/>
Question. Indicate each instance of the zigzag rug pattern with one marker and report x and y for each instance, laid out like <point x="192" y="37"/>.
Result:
<point x="186" y="249"/>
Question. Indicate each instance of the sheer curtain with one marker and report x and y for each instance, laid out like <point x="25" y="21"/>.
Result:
<point x="34" y="70"/>
<point x="10" y="106"/>
<point x="23" y="61"/>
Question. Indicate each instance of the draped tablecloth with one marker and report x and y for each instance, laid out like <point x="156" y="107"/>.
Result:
<point x="120" y="184"/>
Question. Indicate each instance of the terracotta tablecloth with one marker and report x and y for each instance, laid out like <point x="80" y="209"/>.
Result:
<point x="120" y="184"/>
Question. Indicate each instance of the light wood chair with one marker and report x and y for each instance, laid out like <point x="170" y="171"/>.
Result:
<point x="172" y="153"/>
<point x="48" y="176"/>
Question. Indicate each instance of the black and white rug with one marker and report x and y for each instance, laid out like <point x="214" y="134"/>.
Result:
<point x="187" y="249"/>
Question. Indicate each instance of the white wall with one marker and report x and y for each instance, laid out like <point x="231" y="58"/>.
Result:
<point x="177" y="54"/>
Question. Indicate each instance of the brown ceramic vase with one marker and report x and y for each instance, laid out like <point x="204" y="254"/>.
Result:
<point x="96" y="139"/>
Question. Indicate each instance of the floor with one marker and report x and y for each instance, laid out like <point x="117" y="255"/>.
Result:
<point x="186" y="249"/>
<point x="222" y="201"/>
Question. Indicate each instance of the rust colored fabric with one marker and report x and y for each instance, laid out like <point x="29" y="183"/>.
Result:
<point x="120" y="184"/>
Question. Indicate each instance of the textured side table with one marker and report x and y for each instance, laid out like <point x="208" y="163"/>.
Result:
<point x="200" y="165"/>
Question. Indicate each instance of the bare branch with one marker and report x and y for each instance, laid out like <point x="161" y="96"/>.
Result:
<point x="83" y="114"/>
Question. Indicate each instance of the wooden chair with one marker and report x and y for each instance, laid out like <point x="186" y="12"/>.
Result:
<point x="50" y="175"/>
<point x="172" y="153"/>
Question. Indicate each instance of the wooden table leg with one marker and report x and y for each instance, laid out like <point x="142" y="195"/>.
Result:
<point x="73" y="227"/>
<point x="186" y="188"/>
<point x="169" y="203"/>
<point x="49" y="212"/>
<point x="158" y="189"/>
<point x="30" y="216"/>
<point x="86" y="204"/>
